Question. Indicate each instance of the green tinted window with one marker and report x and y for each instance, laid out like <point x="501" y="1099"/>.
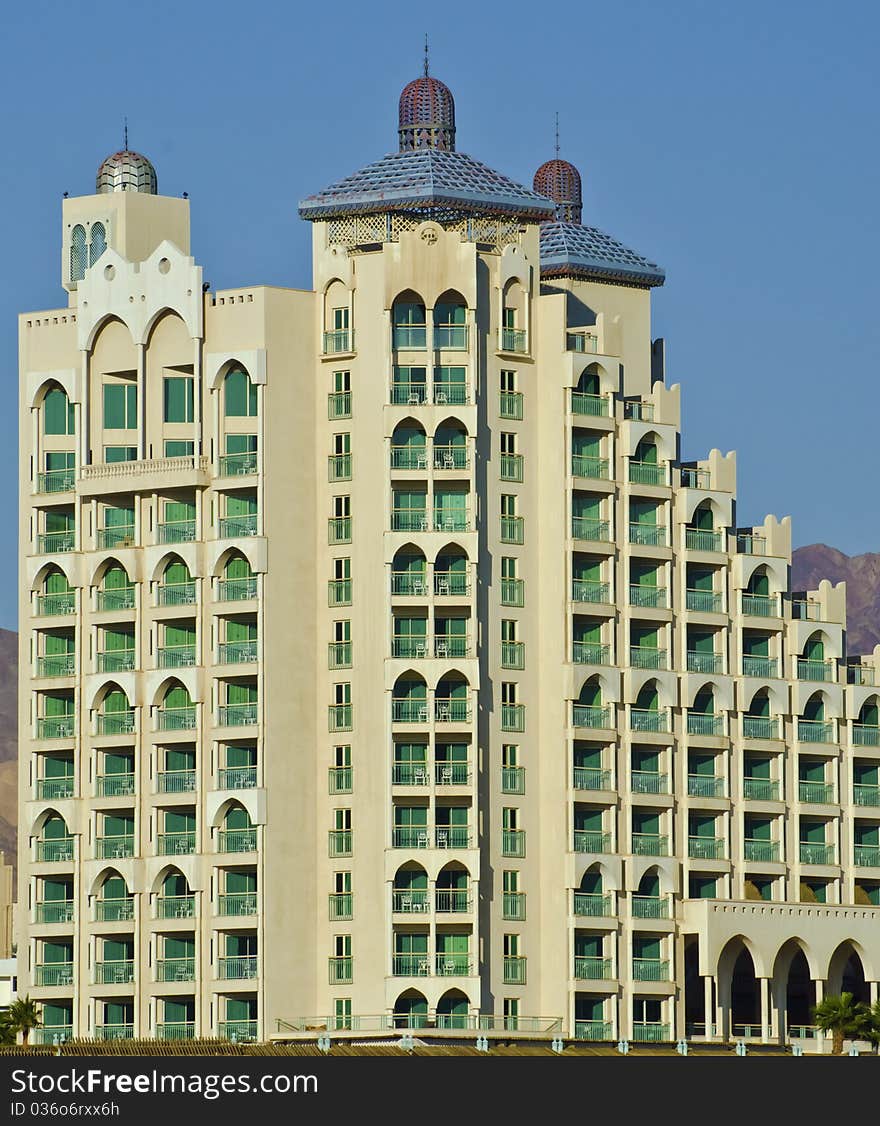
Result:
<point x="120" y="406"/>
<point x="178" y="398"/>
<point x="240" y="395"/>
<point x="57" y="413"/>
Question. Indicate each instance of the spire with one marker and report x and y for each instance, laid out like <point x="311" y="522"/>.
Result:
<point x="426" y="54"/>
<point x="125" y="135"/>
<point x="557" y="134"/>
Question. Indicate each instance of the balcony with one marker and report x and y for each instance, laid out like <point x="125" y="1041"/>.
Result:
<point x="115" y="785"/>
<point x="647" y="473"/>
<point x="692" y="478"/>
<point x="581" y="341"/>
<point x="237" y="968"/>
<point x="513" y="780"/>
<point x="705" y="786"/>
<point x="412" y="336"/>
<point x="175" y="906"/>
<point x="646" y="719"/>
<point x="54" y="911"/>
<point x="815" y="731"/>
<point x="176" y="781"/>
<point x="698" y="723"/>
<point x="410" y="965"/>
<point x="761" y="789"/>
<point x="587" y="653"/>
<point x="513" y="592"/>
<point x="237" y="465"/>
<point x="649" y="969"/>
<point x="593" y="468"/>
<point x="175" y="844"/>
<point x="646" y="657"/>
<point x="339" y="404"/>
<point x="176" y="657"/>
<point x="53" y="973"/>
<point x="55" y="850"/>
<point x="804" y="611"/>
<point x="587" y="590"/>
<point x="338" y="592"/>
<point x="760" y="727"/>
<point x="56" y="727"/>
<point x="56" y="481"/>
<point x="706" y="848"/>
<point x="583" y="403"/>
<point x="865" y="735"/>
<point x="459" y="645"/>
<point x="591" y="715"/>
<point x="513" y="905"/>
<point x="650" y="907"/>
<point x="115" y="910"/>
<point x="339" y="779"/>
<point x="120" y="536"/>
<point x="811" y="853"/>
<point x="453" y="965"/>
<point x="410" y="901"/>
<point x="653" y="597"/>
<point x="510" y="405"/>
<point x="339" y="842"/>
<point x="452" y="836"/>
<point x="866" y="856"/>
<point x="760" y="605"/>
<point x="114" y="1031"/>
<point x="750" y="544"/>
<point x="700" y="539"/>
<point x="448" y="710"/>
<point x="339" y="467"/>
<point x="704" y="601"/>
<point x="593" y="904"/>
<point x="237" y="903"/>
<point x="591" y="840"/>
<point x="176" y="969"/>
<point x="115" y="723"/>
<point x="456" y="457"/>
<point x="236" y="840"/>
<point x="337" y="340"/>
<point x="237" y="1030"/>
<point x="410" y="774"/>
<point x="512" y="529"/>
<point x="408" y="584"/>
<point x="409" y="457"/>
<point x="176" y="531"/>
<point x="815" y="792"/>
<point x="452" y="901"/>
<point x="513" y="717"/>
<point x="764" y="667"/>
<point x="650" y="1032"/>
<point x="511" y="467"/>
<point x="865" y="794"/>
<point x="49" y="543"/>
<point x="650" y="844"/>
<point x="52" y="1034"/>
<point x="452" y="583"/>
<point x="591" y="778"/>
<point x="115" y="847"/>
<point x="513" y="842"/>
<point x="586" y="528"/>
<point x="176" y="719"/>
<point x="176" y="1030"/>
<point x="117" y="972"/>
<point x="234" y="527"/>
<point x="237" y="715"/>
<point x="514" y="970"/>
<point x="649" y="782"/>
<point x="860" y="674"/>
<point x="647" y="535"/>
<point x="240" y="590"/>
<point x="593" y="1030"/>
<point x="56" y="605"/>
<point x="118" y="598"/>
<point x="816" y="670"/>
<point x="117" y="660"/>
<point x="705" y="662"/>
<point x="54" y="788"/>
<point x="409" y="711"/>
<point x="247" y="652"/>
<point x="592" y="969"/>
<point x="452" y="773"/>
<point x="513" y="340"/>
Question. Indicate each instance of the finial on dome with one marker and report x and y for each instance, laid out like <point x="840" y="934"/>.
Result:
<point x="426" y="113"/>
<point x="560" y="181"/>
<point x="126" y="171"/>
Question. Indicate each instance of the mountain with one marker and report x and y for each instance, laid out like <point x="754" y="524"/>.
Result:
<point x="861" y="573"/>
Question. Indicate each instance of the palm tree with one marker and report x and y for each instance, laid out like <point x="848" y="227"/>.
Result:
<point x="843" y="1017"/>
<point x="7" y="1029"/>
<point x="24" y="1014"/>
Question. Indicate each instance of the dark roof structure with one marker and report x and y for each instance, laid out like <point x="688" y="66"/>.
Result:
<point x="571" y="250"/>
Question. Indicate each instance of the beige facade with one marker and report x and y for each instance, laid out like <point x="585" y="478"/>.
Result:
<point x="383" y="665"/>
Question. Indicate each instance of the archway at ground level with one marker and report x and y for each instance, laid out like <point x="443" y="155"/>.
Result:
<point x="410" y="1010"/>
<point x="800" y="992"/>
<point x="745" y="1000"/>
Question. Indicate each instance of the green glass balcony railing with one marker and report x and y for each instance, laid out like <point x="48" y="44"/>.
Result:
<point x="177" y="531"/>
<point x="698" y="723"/>
<point x="114" y="973"/>
<point x="513" y="340"/>
<point x="760" y="727"/>
<point x="116" y="660"/>
<point x="176" y="781"/>
<point x="591" y="840"/>
<point x="339" y="404"/>
<point x="243" y="778"/>
<point x="451" y="392"/>
<point x="409" y="711"/>
<point x="587" y="590"/>
<point x="650" y="596"/>
<point x="514" y="970"/>
<point x="866" y="856"/>
<point x="410" y="965"/>
<point x="56" y="850"/>
<point x="591" y="715"/>
<point x="410" y="901"/>
<point x="593" y="904"/>
<point x="706" y="848"/>
<point x="704" y="601"/>
<point x="409" y="457"/>
<point x="510" y="404"/>
<point x="175" y="906"/>
<point x="56" y="727"/>
<point x="650" y="969"/>
<point x="52" y="1034"/>
<point x="513" y="842"/>
<point x="53" y="973"/>
<point x="650" y="907"/>
<point x="451" y="336"/>
<point x="238" y="903"/>
<point x="238" y="465"/>
<point x="452" y="836"/>
<point x="650" y="1032"/>
<point x="115" y="910"/>
<point x="581" y="342"/>
<point x="646" y="473"/>
<point x="56" y="481"/>
<point x="237" y="715"/>
<point x="236" y="840"/>
<point x="647" y="657"/>
<point x="115" y="785"/>
<point x="592" y="969"/>
<point x="237" y="1030"/>
<point x="176" y="719"/>
<point x="586" y="404"/>
<point x="512" y="529"/>
<point x="337" y="340"/>
<point x="246" y="652"/>
<point x="54" y="911"/>
<point x="410" y="520"/>
<point x="700" y="539"/>
<point x="802" y="610"/>
<point x="176" y="1030"/>
<point x="587" y="528"/>
<point x="410" y="836"/>
<point x="513" y="905"/>
<point x="815" y="731"/>
<point x="176" y="969"/>
<point x="705" y="786"/>
<point x="593" y="1030"/>
<point x="595" y="468"/>
<point x="176" y="656"/>
<point x="456" y="583"/>
<point x="591" y="778"/>
<point x="511" y="467"/>
<point x="116" y="598"/>
<point x="761" y="789"/>
<point x="121" y="535"/>
<point x="176" y="594"/>
<point x="649" y="782"/>
<point x="237" y="968"/>
<point x="865" y="735"/>
<point x="409" y="584"/>
<point x="54" y="788"/>
<point x="240" y="590"/>
<point x="452" y="965"/>
<point x="639" y="411"/>
<point x="57" y="664"/>
<point x="650" y="844"/>
<point x="513" y="779"/>
<point x="513" y="717"/>
<point x="760" y="605"/>
<point x="812" y="853"/>
<point x="51" y="542"/>
<point x="411" y="393"/>
<point x="751" y="544"/>
<point x="233" y="527"/>
<point x="816" y="670"/>
<point x="114" y="847"/>
<point x="815" y="792"/>
<point x="866" y="794"/>
<point x="760" y="666"/>
<point x="56" y="605"/>
<point x="587" y="653"/>
<point x="647" y="719"/>
<point x="456" y="773"/>
<point x="339" y="467"/>
<point x="513" y="592"/>
<point x="115" y="723"/>
<point x="175" y="844"/>
<point x="410" y="774"/>
<point x="705" y="662"/>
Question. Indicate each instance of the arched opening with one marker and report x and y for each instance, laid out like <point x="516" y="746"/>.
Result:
<point x="408" y="322"/>
<point x="450" y="322"/>
<point x="703" y="517"/>
<point x="238" y="833"/>
<point x="451" y="573"/>
<point x="239" y="394"/>
<point x="116" y="591"/>
<point x="115" y="714"/>
<point x="79" y="258"/>
<point x="239" y="582"/>
<point x="644" y="465"/>
<point x="846" y="974"/>
<point x="647" y="901"/>
<point x="54" y="842"/>
<point x="745" y="1002"/>
<point x="589" y="383"/>
<point x="410" y="891"/>
<point x="800" y="993"/>
<point x="58" y="413"/>
<point x="410" y="1010"/>
<point x="409" y="699"/>
<point x="695" y="1016"/>
<point x="409" y="572"/>
<point x="409" y="446"/>
<point x="450" y="445"/>
<point x="175" y="899"/>
<point x="114" y="901"/>
<point x="97" y="242"/>
<point x="57" y="596"/>
<point x="452" y="1010"/>
<point x="176" y="711"/>
<point x="452" y="699"/>
<point x="513" y="317"/>
<point x="866" y="731"/>
<point x="176" y="587"/>
<point x="452" y="889"/>
<point x="588" y="709"/>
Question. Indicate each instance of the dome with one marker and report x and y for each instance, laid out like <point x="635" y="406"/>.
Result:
<point x="560" y="181"/>
<point x="126" y="171"/>
<point x="427" y="115"/>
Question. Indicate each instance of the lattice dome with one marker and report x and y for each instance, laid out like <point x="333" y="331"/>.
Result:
<point x="127" y="171"/>
<point x="427" y="115"/>
<point x="561" y="182"/>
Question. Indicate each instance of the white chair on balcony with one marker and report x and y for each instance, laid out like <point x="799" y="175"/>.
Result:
<point x="448" y="460"/>
<point x="443" y="838"/>
<point x="445" y="775"/>
<point x="423" y="967"/>
<point x="420" y="774"/>
<point x="442" y="584"/>
<point x="444" y="713"/>
<point x="422" y="839"/>
<point x="422" y="460"/>
<point x="413" y="399"/>
<point x="440" y="396"/>
<point x="441" y="648"/>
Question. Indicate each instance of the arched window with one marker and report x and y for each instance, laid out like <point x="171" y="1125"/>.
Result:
<point x="450" y="328"/>
<point x="115" y="902"/>
<point x="238" y="833"/>
<point x="408" y="447"/>
<point x="58" y="596"/>
<point x="177" y="587"/>
<point x="409" y="323"/>
<point x="78" y="255"/>
<point x="97" y="242"/>
<point x="57" y="412"/>
<point x="117" y="589"/>
<point x="239" y="395"/>
<point x="238" y="582"/>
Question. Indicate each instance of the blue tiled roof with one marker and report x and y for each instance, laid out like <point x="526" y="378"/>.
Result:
<point x="572" y="250"/>
<point x="427" y="178"/>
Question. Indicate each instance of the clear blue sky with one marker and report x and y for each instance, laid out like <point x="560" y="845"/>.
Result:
<point x="734" y="144"/>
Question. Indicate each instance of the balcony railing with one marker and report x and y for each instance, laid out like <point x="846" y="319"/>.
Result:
<point x="761" y="789"/>
<point x="816" y="670"/>
<point x="339" y="467"/>
<point x="815" y="731"/>
<point x="116" y="660"/>
<point x="452" y="773"/>
<point x="244" y="652"/>
<point x="704" y="601"/>
<point x="448" y="710"/>
<point x="237" y="1030"/>
<point x="705" y="786"/>
<point x="176" y="781"/>
<point x="649" y="596"/>
<point x="706" y="848"/>
<point x="594" y="468"/>
<point x="583" y="403"/>
<point x="591" y="778"/>
<point x="815" y="792"/>
<point x="702" y="539"/>
<point x="588" y="968"/>
<point x="115" y="723"/>
<point x="639" y="411"/>
<point x="866" y="856"/>
<point x="512" y="529"/>
<point x="511" y="467"/>
<point x="650" y="844"/>
<point x="114" y="847"/>
<point x="118" y="971"/>
<point x="512" y="592"/>
<point x="865" y="793"/>
<point x="760" y="605"/>
<point x="410" y="965"/>
<point x="750" y="544"/>
<point x="593" y="1030"/>
<point x="237" y="903"/>
<point x="54" y="788"/>
<point x="176" y="969"/>
<point x="339" y="404"/>
<point x="52" y="1034"/>
<point x="861" y="674"/>
<point x="114" y="1031"/>
<point x="587" y="528"/>
<point x="53" y="973"/>
<point x="52" y="542"/>
<point x="56" y="481"/>
<point x="56" y="605"/>
<point x="177" y="531"/>
<point x="339" y="779"/>
<point x="760" y="727"/>
<point x="650" y="969"/>
<point x="865" y="735"/>
<point x="698" y="723"/>
<point x="648" y="535"/>
<point x="705" y="662"/>
<point x="55" y="850"/>
<point x="513" y="842"/>
<point x="176" y="594"/>
<point x="649" y="782"/>
<point x="56" y="664"/>
<point x="692" y="478"/>
<point x="647" y="473"/>
<point x="409" y="583"/>
<point x="56" y="727"/>
<point x="765" y="667"/>
<point x="647" y="657"/>
<point x="238" y="465"/>
<point x="175" y="906"/>
<point x="513" y="717"/>
<point x="811" y="853"/>
<point x="116" y="598"/>
<point x="650" y="906"/>
<point x="176" y="656"/>
<point x="115" y="910"/>
<point x="513" y="905"/>
<point x="115" y="785"/>
<point x="232" y="527"/>
<point x="409" y="711"/>
<point x="239" y="590"/>
<point x="409" y="336"/>
<point x="513" y="340"/>
<point x="452" y="965"/>
<point x="514" y="970"/>
<point x="237" y="968"/>
<point x="236" y="840"/>
<point x="176" y="719"/>
<point x="120" y="536"/>
<point x="588" y="590"/>
<point x="587" y="653"/>
<point x="650" y="1032"/>
<point x="510" y="405"/>
<point x="452" y="901"/>
<point x="591" y="715"/>
<point x="54" y="911"/>
<point x="456" y="457"/>
<point x="456" y="583"/>
<point x="593" y="904"/>
<point x="175" y="844"/>
<point x="513" y="779"/>
<point x="237" y="715"/>
<point x="337" y="340"/>
<point x="176" y="1030"/>
<point x="591" y="840"/>
<point x="801" y="610"/>
<point x="339" y="842"/>
<point x="647" y="719"/>
<point x="407" y="901"/>
<point x="576" y="341"/>
<point x="410" y="774"/>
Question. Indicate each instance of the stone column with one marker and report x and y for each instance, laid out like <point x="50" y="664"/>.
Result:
<point x="708" y="1010"/>
<point x="766" y="1008"/>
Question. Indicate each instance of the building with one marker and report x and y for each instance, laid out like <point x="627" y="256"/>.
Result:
<point x="382" y="663"/>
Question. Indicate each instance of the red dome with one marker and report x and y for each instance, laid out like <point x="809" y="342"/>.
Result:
<point x="427" y="115"/>
<point x="560" y="181"/>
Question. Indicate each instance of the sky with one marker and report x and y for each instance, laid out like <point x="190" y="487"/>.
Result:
<point x="736" y="145"/>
